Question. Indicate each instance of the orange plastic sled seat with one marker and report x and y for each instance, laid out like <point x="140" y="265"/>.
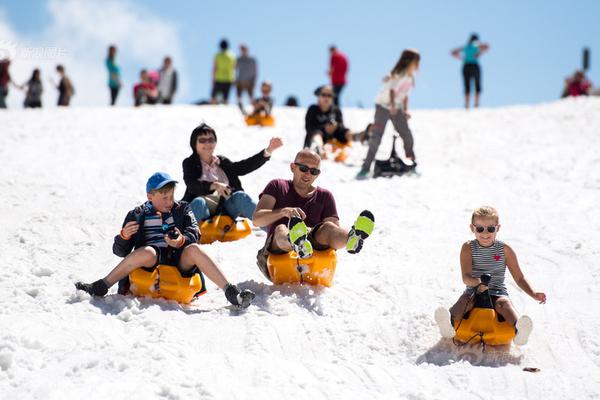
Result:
<point x="166" y="281"/>
<point x="482" y="325"/>
<point x="340" y="151"/>
<point x="223" y="228"/>
<point x="262" y="120"/>
<point x="318" y="269"/>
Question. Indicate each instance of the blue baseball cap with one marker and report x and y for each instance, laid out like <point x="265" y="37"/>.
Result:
<point x="158" y="180"/>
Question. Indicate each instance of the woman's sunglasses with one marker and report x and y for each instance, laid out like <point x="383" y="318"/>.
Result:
<point x="490" y="229"/>
<point x="204" y="140"/>
<point x="326" y="95"/>
<point x="305" y="168"/>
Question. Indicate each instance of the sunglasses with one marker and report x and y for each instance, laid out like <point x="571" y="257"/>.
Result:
<point x="305" y="168"/>
<point x="490" y="229"/>
<point x="204" y="140"/>
<point x="325" y="95"/>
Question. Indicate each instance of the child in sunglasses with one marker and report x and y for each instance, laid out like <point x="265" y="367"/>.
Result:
<point x="486" y="255"/>
<point x="162" y="231"/>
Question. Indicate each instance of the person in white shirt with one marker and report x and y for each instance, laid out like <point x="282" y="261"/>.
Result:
<point x="167" y="82"/>
<point x="392" y="104"/>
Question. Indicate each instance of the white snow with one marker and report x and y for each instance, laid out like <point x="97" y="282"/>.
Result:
<point x="68" y="177"/>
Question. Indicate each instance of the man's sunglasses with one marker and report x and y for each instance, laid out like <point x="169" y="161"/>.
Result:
<point x="305" y="168"/>
<point x="490" y="229"/>
<point x="204" y="140"/>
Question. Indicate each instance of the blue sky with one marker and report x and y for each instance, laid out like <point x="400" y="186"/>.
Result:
<point x="534" y="44"/>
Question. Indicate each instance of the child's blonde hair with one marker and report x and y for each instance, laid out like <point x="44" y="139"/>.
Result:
<point x="485" y="212"/>
<point x="165" y="189"/>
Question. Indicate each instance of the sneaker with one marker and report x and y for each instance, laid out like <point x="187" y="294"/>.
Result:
<point x="362" y="175"/>
<point x="298" y="237"/>
<point x="442" y="318"/>
<point x="241" y="299"/>
<point x="524" y="326"/>
<point x="362" y="228"/>
<point x="98" y="288"/>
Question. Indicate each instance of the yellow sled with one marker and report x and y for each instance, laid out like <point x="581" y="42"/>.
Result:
<point x="318" y="269"/>
<point x="223" y="228"/>
<point x="166" y="281"/>
<point x="262" y="120"/>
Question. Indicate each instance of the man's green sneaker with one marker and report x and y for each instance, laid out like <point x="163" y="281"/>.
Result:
<point x="298" y="236"/>
<point x="361" y="230"/>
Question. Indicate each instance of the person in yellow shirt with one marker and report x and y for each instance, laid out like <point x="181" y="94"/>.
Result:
<point x="223" y="74"/>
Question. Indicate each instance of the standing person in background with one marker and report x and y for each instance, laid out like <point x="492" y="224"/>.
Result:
<point x="114" y="74"/>
<point x="167" y="82"/>
<point x="33" y="98"/>
<point x="5" y="80"/>
<point x="65" y="87"/>
<point x="470" y="54"/>
<point x="246" y="73"/>
<point x="223" y="73"/>
<point x="338" y="67"/>
<point x="392" y="104"/>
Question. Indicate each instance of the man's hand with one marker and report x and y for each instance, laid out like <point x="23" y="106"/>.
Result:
<point x="274" y="144"/>
<point x="541" y="297"/>
<point x="129" y="230"/>
<point x="222" y="189"/>
<point x="290" y="212"/>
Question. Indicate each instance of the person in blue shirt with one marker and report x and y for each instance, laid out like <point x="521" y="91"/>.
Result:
<point x="114" y="74"/>
<point x="470" y="54"/>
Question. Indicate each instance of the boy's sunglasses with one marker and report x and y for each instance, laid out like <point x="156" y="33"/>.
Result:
<point x="490" y="229"/>
<point x="206" y="140"/>
<point x="305" y="168"/>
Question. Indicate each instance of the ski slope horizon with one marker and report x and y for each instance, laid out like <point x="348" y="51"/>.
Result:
<point x="69" y="176"/>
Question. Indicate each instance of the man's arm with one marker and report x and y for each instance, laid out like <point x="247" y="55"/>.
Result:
<point x="265" y="215"/>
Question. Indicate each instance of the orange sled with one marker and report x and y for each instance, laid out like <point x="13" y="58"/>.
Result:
<point x="318" y="269"/>
<point x="262" y="120"/>
<point x="166" y="281"/>
<point x="223" y="228"/>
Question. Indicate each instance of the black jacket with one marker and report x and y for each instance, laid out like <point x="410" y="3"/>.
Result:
<point x="316" y="119"/>
<point x="192" y="172"/>
<point x="184" y="221"/>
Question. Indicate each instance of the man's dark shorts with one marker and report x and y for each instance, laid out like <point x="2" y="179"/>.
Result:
<point x="263" y="253"/>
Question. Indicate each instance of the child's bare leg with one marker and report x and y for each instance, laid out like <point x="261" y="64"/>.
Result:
<point x="193" y="255"/>
<point x="281" y="239"/>
<point x="331" y="235"/>
<point x="505" y="308"/>
<point x="463" y="305"/>
<point x="142" y="257"/>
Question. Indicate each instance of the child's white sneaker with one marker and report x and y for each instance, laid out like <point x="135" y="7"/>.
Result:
<point x="524" y="327"/>
<point x="442" y="317"/>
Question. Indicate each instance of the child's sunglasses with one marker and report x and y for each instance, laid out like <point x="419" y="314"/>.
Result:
<point x="490" y="229"/>
<point x="305" y="168"/>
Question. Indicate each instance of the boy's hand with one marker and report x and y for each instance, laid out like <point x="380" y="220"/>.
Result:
<point x="176" y="243"/>
<point x="541" y="297"/>
<point x="129" y="230"/>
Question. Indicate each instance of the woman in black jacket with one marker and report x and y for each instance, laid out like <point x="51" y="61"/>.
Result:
<point x="209" y="177"/>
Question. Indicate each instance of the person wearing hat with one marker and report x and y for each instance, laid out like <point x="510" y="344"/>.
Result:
<point x="212" y="179"/>
<point x="162" y="231"/>
<point x="324" y="122"/>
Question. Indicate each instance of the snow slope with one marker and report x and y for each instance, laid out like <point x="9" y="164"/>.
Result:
<point x="68" y="176"/>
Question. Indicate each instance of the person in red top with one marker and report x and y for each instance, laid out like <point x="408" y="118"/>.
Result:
<point x="577" y="85"/>
<point x="338" y="67"/>
<point x="290" y="207"/>
<point x="145" y="92"/>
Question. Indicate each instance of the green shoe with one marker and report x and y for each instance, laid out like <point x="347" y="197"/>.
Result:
<point x="298" y="236"/>
<point x="362" y="228"/>
<point x="362" y="175"/>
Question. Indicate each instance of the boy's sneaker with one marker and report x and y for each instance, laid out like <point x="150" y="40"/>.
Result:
<point x="362" y="175"/>
<point x="524" y="326"/>
<point x="442" y="318"/>
<point x="298" y="237"/>
<point x="362" y="228"/>
<point x="240" y="299"/>
<point x="98" y="288"/>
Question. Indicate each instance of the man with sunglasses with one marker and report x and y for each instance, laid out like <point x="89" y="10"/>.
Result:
<point x="324" y="122"/>
<point x="301" y="216"/>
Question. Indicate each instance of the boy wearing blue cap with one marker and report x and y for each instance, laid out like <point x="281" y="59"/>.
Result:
<point x="162" y="231"/>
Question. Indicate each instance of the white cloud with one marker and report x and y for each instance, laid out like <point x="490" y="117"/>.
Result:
<point x="78" y="36"/>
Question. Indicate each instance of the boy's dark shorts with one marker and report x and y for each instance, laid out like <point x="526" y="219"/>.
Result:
<point x="263" y="253"/>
